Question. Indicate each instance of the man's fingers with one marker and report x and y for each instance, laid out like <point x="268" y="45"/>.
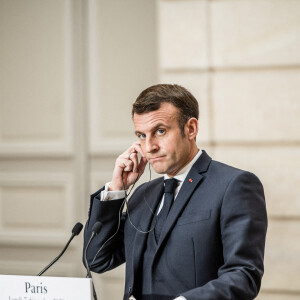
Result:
<point x="125" y="163"/>
<point x="128" y="166"/>
<point x="136" y="148"/>
<point x="129" y="162"/>
<point x="134" y="158"/>
<point x="142" y="165"/>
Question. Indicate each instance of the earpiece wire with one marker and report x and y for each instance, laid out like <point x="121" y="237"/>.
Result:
<point x="127" y="210"/>
<point x="144" y="198"/>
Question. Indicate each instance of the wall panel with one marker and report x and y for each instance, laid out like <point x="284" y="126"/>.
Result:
<point x="278" y="169"/>
<point x="36" y="209"/>
<point x="183" y="34"/>
<point x="41" y="170"/>
<point x="255" y="33"/>
<point x="281" y="258"/>
<point x="35" y="77"/>
<point x="258" y="106"/>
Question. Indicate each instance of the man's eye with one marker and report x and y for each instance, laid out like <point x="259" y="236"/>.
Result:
<point x="142" y="136"/>
<point x="161" y="131"/>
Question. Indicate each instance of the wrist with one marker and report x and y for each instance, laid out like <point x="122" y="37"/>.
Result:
<point x="115" y="187"/>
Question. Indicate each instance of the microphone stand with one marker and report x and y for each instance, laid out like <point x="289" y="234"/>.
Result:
<point x="75" y="231"/>
<point x="95" y="230"/>
<point x="58" y="257"/>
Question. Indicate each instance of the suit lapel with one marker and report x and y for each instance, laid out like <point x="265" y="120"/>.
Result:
<point x="191" y="182"/>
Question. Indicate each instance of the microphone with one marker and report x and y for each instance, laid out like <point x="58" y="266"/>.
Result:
<point x="95" y="230"/>
<point x="75" y="231"/>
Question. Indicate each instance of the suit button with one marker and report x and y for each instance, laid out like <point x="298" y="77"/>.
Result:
<point x="130" y="290"/>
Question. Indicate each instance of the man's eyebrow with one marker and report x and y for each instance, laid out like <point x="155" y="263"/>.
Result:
<point x="159" y="125"/>
<point x="137" y="132"/>
<point x="152" y="129"/>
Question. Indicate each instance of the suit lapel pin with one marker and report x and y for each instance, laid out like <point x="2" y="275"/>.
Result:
<point x="190" y="180"/>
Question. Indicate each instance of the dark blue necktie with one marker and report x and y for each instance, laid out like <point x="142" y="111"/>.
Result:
<point x="170" y="186"/>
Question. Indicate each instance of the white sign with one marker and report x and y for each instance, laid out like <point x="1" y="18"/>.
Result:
<point x="44" y="288"/>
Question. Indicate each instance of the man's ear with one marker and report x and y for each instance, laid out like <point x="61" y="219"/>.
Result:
<point x="191" y="128"/>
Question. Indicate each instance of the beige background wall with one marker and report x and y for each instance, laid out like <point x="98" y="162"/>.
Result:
<point x="69" y="71"/>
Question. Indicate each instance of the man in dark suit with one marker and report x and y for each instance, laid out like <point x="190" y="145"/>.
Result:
<point x="198" y="233"/>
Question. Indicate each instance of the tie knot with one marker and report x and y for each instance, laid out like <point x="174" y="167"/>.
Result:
<point x="170" y="185"/>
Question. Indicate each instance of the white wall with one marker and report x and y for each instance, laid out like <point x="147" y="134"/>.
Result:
<point x="69" y="71"/>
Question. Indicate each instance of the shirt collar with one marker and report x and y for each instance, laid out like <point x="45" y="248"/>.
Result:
<point x="181" y="175"/>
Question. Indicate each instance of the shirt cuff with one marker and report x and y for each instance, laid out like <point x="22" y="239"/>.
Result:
<point x="106" y="195"/>
<point x="180" y="298"/>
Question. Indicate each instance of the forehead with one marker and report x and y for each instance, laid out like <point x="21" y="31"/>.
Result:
<point x="166" y="114"/>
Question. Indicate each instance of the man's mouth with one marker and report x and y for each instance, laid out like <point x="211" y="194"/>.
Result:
<point x="156" y="158"/>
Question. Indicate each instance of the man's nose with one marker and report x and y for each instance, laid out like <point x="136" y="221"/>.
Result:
<point x="151" y="145"/>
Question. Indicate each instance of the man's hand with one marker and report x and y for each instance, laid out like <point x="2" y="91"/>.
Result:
<point x="128" y="166"/>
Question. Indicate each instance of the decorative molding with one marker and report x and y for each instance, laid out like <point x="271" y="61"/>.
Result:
<point x="38" y="236"/>
<point x="98" y="144"/>
<point x="60" y="147"/>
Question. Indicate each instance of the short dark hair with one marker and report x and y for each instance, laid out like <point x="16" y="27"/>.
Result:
<point x="151" y="99"/>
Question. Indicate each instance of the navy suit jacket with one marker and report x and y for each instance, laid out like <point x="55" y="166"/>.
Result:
<point x="212" y="244"/>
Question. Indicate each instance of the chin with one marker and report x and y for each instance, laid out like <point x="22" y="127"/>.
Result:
<point x="159" y="170"/>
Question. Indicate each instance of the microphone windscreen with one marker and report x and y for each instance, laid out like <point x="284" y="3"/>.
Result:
<point x="97" y="227"/>
<point x="77" y="228"/>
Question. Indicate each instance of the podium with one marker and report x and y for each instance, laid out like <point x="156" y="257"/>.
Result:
<point x="15" y="287"/>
